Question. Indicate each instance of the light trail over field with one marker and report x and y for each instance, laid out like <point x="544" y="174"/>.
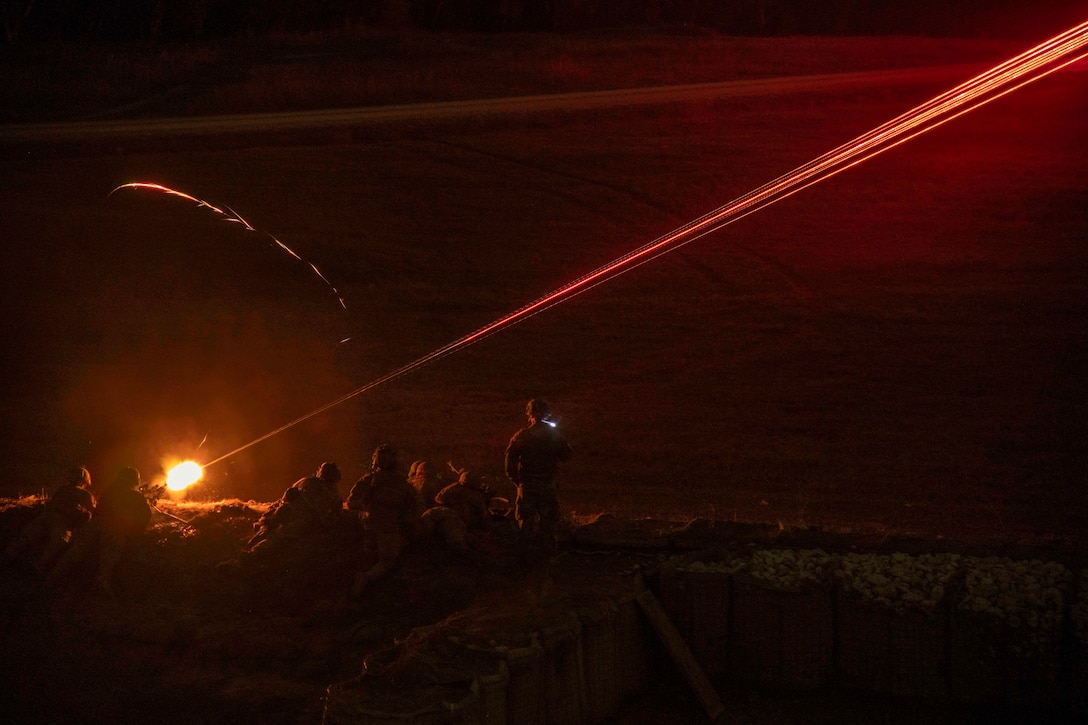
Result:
<point x="1031" y="65"/>
<point x="234" y="217"/>
<point x="470" y="108"/>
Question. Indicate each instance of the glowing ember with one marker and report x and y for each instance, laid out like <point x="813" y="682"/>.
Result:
<point x="232" y="216"/>
<point x="183" y="475"/>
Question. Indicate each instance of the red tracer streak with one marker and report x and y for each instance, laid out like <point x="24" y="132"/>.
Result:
<point x="1029" y="66"/>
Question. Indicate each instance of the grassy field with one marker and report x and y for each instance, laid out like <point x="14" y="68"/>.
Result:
<point x="899" y="349"/>
<point x="292" y="73"/>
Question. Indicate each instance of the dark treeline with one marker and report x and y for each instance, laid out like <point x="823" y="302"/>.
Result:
<point x="31" y="21"/>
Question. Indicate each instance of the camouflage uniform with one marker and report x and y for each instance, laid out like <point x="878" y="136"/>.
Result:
<point x="311" y="504"/>
<point x="427" y="485"/>
<point x="532" y="460"/>
<point x="121" y="514"/>
<point x="389" y="508"/>
<point x="67" y="509"/>
<point x="461" y="507"/>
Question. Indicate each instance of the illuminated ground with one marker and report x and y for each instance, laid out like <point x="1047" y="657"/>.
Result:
<point x="194" y="633"/>
<point x="899" y="349"/>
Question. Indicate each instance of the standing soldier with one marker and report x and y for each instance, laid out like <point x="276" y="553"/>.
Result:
<point x="389" y="508"/>
<point x="532" y="458"/>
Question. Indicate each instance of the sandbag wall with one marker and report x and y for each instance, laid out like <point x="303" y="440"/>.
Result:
<point x="485" y="669"/>
<point x="934" y="627"/>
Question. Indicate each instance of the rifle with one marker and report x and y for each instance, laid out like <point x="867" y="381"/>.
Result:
<point x="153" y="494"/>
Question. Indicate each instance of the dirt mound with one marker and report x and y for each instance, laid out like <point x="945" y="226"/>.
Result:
<point x="196" y="629"/>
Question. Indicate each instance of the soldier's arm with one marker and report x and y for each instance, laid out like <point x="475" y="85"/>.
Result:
<point x="565" y="451"/>
<point x="357" y="496"/>
<point x="513" y="457"/>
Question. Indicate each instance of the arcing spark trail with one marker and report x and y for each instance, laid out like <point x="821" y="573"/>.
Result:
<point x="1038" y="62"/>
<point x="232" y="216"/>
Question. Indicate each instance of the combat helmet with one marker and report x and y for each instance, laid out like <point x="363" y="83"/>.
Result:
<point x="537" y="409"/>
<point x="329" y="471"/>
<point x="385" y="457"/>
